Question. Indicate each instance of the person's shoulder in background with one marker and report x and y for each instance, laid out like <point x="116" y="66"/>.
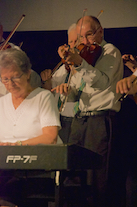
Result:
<point x="35" y="79"/>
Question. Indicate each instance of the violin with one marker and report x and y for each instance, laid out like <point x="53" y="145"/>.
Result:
<point x="90" y="53"/>
<point x="129" y="59"/>
<point x="124" y="96"/>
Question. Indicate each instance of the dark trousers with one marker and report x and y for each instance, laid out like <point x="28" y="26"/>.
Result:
<point x="95" y="133"/>
<point x="64" y="132"/>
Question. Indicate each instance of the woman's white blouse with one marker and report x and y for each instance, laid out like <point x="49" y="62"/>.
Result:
<point x="38" y="110"/>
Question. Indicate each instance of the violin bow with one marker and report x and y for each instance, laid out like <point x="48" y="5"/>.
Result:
<point x="100" y="13"/>
<point x="63" y="104"/>
<point x="13" y="31"/>
<point x="55" y="69"/>
<point x="123" y="97"/>
<point x="78" y="39"/>
<point x="20" y="44"/>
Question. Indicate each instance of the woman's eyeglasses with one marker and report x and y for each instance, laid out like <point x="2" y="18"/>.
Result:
<point x="13" y="79"/>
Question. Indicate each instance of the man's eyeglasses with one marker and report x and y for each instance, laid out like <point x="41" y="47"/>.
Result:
<point x="89" y="36"/>
<point x="13" y="79"/>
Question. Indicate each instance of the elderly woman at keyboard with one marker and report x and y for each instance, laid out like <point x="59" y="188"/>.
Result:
<point x="28" y="116"/>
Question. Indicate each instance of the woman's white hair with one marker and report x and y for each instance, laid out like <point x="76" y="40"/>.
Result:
<point x="16" y="57"/>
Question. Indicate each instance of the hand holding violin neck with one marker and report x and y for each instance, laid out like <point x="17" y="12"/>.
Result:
<point x="74" y="58"/>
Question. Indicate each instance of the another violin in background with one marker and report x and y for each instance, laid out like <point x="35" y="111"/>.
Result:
<point x="5" y="44"/>
<point x="131" y="62"/>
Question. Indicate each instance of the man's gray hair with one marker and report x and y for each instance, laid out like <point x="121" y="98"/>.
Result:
<point x="73" y="26"/>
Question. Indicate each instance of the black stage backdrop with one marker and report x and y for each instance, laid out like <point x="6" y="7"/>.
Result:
<point x="42" y="46"/>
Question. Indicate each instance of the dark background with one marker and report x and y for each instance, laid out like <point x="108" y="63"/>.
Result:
<point x="42" y="46"/>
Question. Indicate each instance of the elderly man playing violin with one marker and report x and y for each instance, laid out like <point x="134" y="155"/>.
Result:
<point x="61" y="76"/>
<point x="94" y="89"/>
